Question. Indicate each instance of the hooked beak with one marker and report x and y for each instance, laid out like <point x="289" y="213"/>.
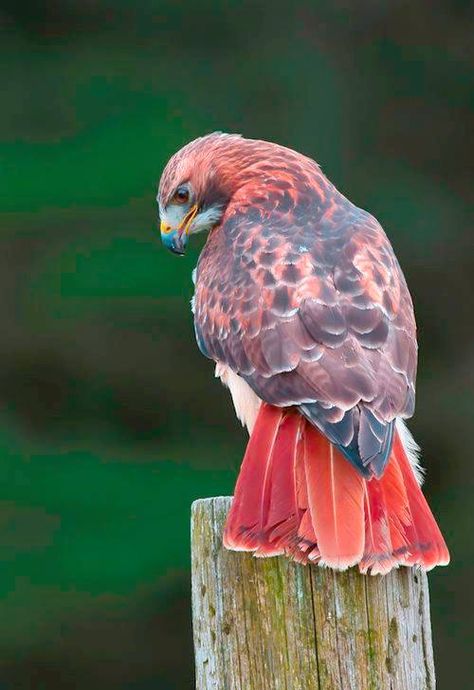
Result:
<point x="176" y="239"/>
<point x="173" y="239"/>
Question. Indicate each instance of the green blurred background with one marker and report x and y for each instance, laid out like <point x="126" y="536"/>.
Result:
<point x="111" y="422"/>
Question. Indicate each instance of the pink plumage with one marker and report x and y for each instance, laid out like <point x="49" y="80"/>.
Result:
<point x="301" y="302"/>
<point x="297" y="495"/>
<point x="336" y="502"/>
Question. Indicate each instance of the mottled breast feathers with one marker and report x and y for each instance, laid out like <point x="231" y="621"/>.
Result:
<point x="301" y="294"/>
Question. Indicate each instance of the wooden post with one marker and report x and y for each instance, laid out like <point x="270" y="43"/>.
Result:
<point x="271" y="624"/>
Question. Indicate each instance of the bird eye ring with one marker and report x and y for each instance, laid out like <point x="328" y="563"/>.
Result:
<point x="181" y="195"/>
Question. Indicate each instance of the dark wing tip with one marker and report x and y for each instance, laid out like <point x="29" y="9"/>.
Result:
<point x="360" y="436"/>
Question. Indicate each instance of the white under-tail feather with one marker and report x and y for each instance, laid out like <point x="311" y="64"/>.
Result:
<point x="246" y="402"/>
<point x="412" y="449"/>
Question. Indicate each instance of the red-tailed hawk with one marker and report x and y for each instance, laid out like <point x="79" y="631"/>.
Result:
<point x="303" y="306"/>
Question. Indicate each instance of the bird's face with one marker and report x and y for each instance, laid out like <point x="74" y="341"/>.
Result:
<point x="178" y="217"/>
<point x="197" y="185"/>
<point x="187" y="206"/>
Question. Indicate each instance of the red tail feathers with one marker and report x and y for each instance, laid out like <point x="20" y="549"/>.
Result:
<point x="297" y="495"/>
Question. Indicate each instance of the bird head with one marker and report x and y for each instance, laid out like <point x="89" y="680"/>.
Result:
<point x="194" y="190"/>
<point x="219" y="173"/>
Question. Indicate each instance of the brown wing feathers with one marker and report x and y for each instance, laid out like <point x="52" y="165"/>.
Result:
<point x="300" y="293"/>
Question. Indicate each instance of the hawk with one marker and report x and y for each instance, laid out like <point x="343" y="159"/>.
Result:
<point x="302" y="304"/>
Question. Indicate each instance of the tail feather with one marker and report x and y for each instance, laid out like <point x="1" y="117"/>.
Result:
<point x="296" y="494"/>
<point x="387" y="522"/>
<point x="427" y="545"/>
<point x="378" y="548"/>
<point x="283" y="514"/>
<point x="336" y="502"/>
<point x="245" y="525"/>
<point x="307" y="542"/>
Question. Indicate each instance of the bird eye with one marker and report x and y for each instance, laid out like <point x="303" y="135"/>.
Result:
<point x="181" y="195"/>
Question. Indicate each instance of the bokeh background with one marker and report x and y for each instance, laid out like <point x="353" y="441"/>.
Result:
<point x="110" y="421"/>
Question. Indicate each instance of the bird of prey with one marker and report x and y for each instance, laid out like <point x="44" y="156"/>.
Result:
<point x="302" y="304"/>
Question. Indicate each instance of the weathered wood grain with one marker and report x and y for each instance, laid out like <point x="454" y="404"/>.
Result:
<point x="270" y="624"/>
